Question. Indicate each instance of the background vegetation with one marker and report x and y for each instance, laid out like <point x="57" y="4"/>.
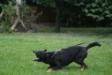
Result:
<point x="84" y="13"/>
<point x="71" y="13"/>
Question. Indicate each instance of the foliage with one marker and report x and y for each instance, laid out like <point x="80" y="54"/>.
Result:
<point x="98" y="10"/>
<point x="76" y="12"/>
<point x="45" y="2"/>
<point x="24" y="12"/>
<point x="8" y="16"/>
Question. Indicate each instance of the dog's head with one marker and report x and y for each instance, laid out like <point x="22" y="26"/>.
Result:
<point x="42" y="56"/>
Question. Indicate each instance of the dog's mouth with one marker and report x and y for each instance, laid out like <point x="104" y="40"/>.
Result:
<point x="37" y="59"/>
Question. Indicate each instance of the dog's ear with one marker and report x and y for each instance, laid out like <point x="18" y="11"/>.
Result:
<point x="45" y="50"/>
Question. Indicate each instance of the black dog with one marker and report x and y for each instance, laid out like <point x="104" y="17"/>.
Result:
<point x="65" y="56"/>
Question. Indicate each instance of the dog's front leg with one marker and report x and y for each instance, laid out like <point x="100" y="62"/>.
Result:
<point x="53" y="68"/>
<point x="50" y="68"/>
<point x="58" y="65"/>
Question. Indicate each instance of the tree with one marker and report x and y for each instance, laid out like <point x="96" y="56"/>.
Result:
<point x="9" y="17"/>
<point x="18" y="18"/>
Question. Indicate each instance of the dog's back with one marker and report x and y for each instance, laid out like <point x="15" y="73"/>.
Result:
<point x="67" y="55"/>
<point x="70" y="54"/>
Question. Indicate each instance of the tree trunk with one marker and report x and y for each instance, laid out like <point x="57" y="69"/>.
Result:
<point x="1" y="14"/>
<point x="58" y="26"/>
<point x="18" y="19"/>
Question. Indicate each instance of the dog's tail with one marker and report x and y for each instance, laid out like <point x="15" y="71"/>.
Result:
<point x="93" y="44"/>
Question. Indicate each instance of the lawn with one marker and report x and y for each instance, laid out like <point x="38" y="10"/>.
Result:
<point x="16" y="53"/>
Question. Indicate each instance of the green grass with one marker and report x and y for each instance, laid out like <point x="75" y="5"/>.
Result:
<point x="16" y="53"/>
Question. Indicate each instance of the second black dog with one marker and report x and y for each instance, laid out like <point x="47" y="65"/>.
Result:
<point x="65" y="56"/>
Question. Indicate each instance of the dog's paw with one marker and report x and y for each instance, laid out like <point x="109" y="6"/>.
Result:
<point x="49" y="70"/>
<point x="82" y="69"/>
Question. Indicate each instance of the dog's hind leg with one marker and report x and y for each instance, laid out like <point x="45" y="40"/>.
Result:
<point x="83" y="66"/>
<point x="81" y="63"/>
